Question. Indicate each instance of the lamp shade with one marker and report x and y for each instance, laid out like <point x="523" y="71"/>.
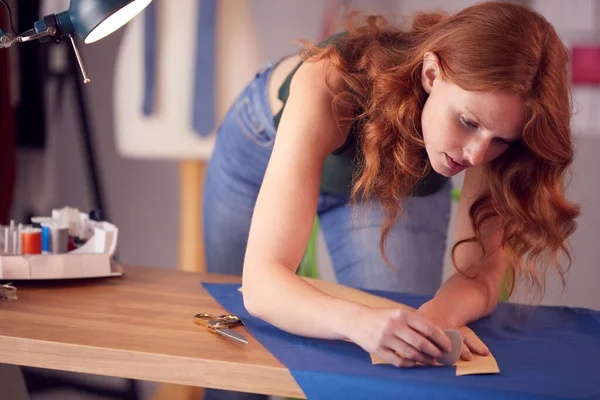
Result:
<point x="95" y="19"/>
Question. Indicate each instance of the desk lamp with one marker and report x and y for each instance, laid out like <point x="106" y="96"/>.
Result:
<point x="92" y="20"/>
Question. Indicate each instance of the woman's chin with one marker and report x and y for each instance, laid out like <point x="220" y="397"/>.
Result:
<point x="443" y="170"/>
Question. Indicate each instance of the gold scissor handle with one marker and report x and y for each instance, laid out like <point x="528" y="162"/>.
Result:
<point x="226" y="320"/>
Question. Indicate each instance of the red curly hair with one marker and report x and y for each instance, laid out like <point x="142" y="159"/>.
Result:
<point x="486" y="47"/>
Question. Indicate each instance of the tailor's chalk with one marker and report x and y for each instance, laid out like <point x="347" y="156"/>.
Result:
<point x="452" y="357"/>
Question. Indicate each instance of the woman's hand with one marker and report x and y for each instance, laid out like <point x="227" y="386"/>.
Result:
<point x="471" y="343"/>
<point x="399" y="336"/>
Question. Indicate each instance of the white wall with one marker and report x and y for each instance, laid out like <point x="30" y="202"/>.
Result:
<point x="142" y="195"/>
<point x="577" y="21"/>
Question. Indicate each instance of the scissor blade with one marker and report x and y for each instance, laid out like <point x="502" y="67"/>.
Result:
<point x="231" y="334"/>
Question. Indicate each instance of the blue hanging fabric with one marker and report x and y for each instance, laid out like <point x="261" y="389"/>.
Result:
<point x="203" y="110"/>
<point x="148" y="106"/>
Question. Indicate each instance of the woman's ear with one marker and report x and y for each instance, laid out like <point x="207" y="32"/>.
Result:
<point x="431" y="70"/>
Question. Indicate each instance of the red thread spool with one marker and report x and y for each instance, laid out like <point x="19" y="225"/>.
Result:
<point x="31" y="241"/>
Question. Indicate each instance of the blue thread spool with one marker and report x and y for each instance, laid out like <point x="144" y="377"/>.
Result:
<point x="45" y="238"/>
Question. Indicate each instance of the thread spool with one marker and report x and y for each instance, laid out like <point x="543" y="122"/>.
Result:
<point x="15" y="242"/>
<point x="2" y="239"/>
<point x="31" y="241"/>
<point x="59" y="238"/>
<point x="45" y="238"/>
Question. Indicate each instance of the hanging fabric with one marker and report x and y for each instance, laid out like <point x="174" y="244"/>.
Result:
<point x="150" y="51"/>
<point x="203" y="112"/>
<point x="203" y="102"/>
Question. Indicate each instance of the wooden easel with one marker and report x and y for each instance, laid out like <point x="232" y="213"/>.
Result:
<point x="191" y="243"/>
<point x="191" y="252"/>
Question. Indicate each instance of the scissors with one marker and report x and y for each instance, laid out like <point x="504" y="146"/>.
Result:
<point x="222" y="325"/>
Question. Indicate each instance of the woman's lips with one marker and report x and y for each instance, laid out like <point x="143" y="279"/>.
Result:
<point x="453" y="164"/>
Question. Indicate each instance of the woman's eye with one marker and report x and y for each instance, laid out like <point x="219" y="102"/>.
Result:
<point x="467" y="123"/>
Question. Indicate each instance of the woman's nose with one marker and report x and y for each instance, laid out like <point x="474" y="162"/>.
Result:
<point x="477" y="149"/>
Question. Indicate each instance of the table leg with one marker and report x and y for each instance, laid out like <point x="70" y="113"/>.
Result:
<point x="169" y="391"/>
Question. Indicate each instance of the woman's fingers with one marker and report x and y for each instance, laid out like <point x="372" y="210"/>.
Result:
<point x="474" y="344"/>
<point x="429" y="331"/>
<point x="406" y="351"/>
<point x="419" y="343"/>
<point x="394" y="359"/>
<point x="466" y="353"/>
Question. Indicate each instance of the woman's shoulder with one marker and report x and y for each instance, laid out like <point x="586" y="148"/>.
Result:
<point x="321" y="75"/>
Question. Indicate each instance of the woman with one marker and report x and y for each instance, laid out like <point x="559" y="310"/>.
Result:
<point x="365" y="132"/>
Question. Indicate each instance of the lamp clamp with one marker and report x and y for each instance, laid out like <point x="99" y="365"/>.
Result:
<point x="45" y="30"/>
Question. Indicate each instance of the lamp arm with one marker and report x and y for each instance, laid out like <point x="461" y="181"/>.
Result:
<point x="7" y="39"/>
<point x="49" y="31"/>
<point x="83" y="17"/>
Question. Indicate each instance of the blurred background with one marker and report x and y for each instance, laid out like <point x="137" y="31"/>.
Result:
<point x="126" y="144"/>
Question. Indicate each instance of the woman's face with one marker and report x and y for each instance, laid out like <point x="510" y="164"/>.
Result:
<point x="463" y="129"/>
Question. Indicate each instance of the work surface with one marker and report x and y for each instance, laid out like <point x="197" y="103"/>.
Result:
<point x="140" y="326"/>
<point x="136" y="326"/>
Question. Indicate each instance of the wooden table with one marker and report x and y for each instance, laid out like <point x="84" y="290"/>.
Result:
<point x="136" y="326"/>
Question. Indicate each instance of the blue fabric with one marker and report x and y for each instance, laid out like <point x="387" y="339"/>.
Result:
<point x="543" y="353"/>
<point x="204" y="82"/>
<point x="149" y="58"/>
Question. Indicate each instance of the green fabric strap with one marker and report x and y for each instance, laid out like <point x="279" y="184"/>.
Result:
<point x="308" y="266"/>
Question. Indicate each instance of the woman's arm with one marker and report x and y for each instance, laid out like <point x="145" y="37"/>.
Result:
<point x="285" y="210"/>
<point x="281" y="225"/>
<point x="464" y="299"/>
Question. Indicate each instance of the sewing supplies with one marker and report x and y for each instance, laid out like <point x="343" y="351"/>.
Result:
<point x="222" y="325"/>
<point x="66" y="244"/>
<point x="8" y="292"/>
<point x="66" y="230"/>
